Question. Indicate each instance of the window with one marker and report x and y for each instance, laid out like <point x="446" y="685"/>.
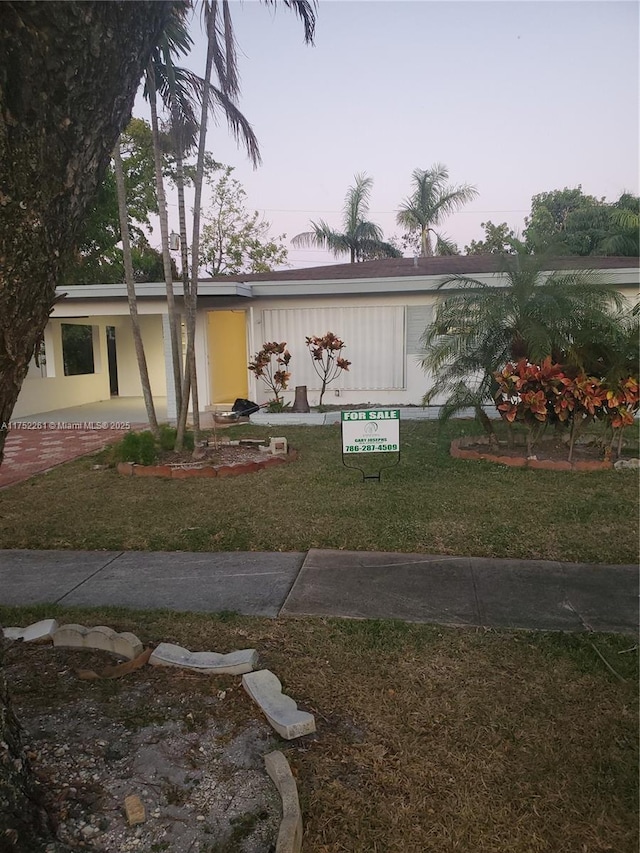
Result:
<point x="77" y="349"/>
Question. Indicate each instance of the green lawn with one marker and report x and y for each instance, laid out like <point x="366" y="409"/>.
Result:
<point x="429" y="740"/>
<point x="430" y="503"/>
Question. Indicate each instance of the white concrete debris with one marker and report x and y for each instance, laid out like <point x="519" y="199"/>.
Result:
<point x="209" y="663"/>
<point x="280" y="710"/>
<point x="125" y="645"/>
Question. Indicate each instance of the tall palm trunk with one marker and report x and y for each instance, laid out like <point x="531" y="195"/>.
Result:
<point x="131" y="291"/>
<point x="426" y="249"/>
<point x="176" y="350"/>
<point x="191" y="299"/>
<point x="184" y="272"/>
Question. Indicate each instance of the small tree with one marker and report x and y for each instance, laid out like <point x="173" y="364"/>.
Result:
<point x="273" y="373"/>
<point x="235" y="241"/>
<point x="326" y="359"/>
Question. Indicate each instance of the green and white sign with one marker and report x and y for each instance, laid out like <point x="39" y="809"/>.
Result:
<point x="371" y="431"/>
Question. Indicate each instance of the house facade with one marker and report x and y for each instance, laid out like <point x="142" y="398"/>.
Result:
<point x="379" y="308"/>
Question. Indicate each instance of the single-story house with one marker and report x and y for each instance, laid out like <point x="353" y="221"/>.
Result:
<point x="379" y="308"/>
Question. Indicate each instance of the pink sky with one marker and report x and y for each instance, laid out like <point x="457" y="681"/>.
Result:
<point x="516" y="98"/>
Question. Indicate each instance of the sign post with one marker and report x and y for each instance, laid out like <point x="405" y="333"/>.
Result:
<point x="366" y="431"/>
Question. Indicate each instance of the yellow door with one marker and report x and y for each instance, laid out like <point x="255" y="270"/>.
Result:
<point x="227" y="341"/>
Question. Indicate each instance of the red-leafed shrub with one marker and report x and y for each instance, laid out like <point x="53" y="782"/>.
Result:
<point x="537" y="395"/>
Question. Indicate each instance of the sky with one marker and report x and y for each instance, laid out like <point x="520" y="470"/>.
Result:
<point x="515" y="98"/>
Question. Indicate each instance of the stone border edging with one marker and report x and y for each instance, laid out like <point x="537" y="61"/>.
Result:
<point x="459" y="451"/>
<point x="290" y="833"/>
<point x="131" y="469"/>
<point x="281" y="710"/>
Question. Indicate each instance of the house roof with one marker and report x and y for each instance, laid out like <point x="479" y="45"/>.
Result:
<point x="409" y="275"/>
<point x="436" y="266"/>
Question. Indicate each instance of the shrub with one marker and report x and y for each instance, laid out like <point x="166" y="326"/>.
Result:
<point x="142" y="449"/>
<point x="168" y="438"/>
<point x="274" y="374"/>
<point x="137" y="447"/>
<point x="326" y="358"/>
<point x="536" y="395"/>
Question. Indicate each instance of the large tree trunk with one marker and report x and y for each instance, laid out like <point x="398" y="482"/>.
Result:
<point x="68" y="76"/>
<point x="24" y="823"/>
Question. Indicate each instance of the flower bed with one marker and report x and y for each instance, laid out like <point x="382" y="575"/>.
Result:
<point x="189" y="470"/>
<point x="473" y="447"/>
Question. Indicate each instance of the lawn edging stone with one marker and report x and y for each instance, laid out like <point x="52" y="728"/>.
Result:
<point x="460" y="449"/>
<point x="290" y="833"/>
<point x="208" y="663"/>
<point x="125" y="645"/>
<point x="280" y="710"/>
<point x="38" y="632"/>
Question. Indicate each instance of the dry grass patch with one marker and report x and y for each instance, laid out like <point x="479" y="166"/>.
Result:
<point x="429" y="739"/>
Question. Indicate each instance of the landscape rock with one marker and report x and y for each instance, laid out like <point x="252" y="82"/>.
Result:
<point x="280" y="710"/>
<point x="134" y="809"/>
<point x="627" y="464"/>
<point x="290" y="834"/>
<point x="208" y="663"/>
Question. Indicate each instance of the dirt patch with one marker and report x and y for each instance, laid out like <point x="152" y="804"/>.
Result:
<point x="188" y="746"/>
<point x="223" y="454"/>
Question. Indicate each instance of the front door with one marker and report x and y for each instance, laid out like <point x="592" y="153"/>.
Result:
<point x="227" y="342"/>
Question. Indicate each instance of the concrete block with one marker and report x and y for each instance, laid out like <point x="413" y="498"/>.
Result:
<point x="290" y="833"/>
<point x="209" y="663"/>
<point x="125" y="645"/>
<point x="278" y="445"/>
<point x="280" y="710"/>
<point x="12" y="633"/>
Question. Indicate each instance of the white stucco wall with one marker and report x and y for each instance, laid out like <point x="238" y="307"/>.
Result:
<point x="41" y="394"/>
<point x="57" y="391"/>
<point x="129" y="384"/>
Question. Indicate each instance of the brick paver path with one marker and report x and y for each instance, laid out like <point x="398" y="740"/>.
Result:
<point x="32" y="451"/>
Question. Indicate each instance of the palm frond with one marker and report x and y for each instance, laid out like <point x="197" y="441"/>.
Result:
<point x="219" y="27"/>
<point x="240" y="128"/>
<point x="306" y="11"/>
<point x="356" y="204"/>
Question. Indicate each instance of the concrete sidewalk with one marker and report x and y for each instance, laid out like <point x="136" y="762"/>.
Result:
<point x="462" y="591"/>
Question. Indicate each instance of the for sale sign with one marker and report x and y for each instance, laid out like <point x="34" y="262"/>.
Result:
<point x="371" y="431"/>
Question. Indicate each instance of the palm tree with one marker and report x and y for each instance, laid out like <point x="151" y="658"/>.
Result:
<point x="360" y="238"/>
<point x="431" y="201"/>
<point x="479" y="327"/>
<point x="131" y="291"/>
<point x="625" y="224"/>
<point x="221" y="54"/>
